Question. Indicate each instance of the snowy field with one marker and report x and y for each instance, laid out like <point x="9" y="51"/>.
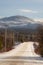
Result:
<point x="23" y="54"/>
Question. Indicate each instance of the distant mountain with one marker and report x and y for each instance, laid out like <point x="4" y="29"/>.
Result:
<point x="16" y="18"/>
<point x="18" y="23"/>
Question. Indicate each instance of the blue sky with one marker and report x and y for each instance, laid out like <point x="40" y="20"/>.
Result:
<point x="29" y="8"/>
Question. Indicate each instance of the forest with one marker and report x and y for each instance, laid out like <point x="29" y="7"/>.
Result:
<point x="8" y="39"/>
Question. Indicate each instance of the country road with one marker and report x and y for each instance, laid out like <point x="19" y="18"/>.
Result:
<point x="23" y="49"/>
<point x="23" y="54"/>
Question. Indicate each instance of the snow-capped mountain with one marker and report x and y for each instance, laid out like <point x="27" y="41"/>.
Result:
<point x="18" y="22"/>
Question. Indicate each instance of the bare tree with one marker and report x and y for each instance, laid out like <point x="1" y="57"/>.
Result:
<point x="40" y="41"/>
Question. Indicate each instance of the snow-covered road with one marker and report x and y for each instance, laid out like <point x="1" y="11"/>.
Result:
<point x="24" y="49"/>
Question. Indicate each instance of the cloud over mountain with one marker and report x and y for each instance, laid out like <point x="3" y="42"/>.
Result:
<point x="27" y="11"/>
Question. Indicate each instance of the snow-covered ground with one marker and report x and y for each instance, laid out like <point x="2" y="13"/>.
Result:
<point x="24" y="49"/>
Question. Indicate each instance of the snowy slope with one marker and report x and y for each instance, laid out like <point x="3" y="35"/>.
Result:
<point x="18" y="21"/>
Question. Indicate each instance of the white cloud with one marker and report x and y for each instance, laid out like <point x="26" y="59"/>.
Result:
<point x="39" y="19"/>
<point x="1" y="17"/>
<point x="27" y="11"/>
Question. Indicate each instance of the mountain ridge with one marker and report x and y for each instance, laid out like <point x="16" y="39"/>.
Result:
<point x="19" y="22"/>
<point x="14" y="17"/>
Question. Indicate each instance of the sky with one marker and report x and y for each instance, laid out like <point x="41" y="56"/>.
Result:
<point x="28" y="8"/>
